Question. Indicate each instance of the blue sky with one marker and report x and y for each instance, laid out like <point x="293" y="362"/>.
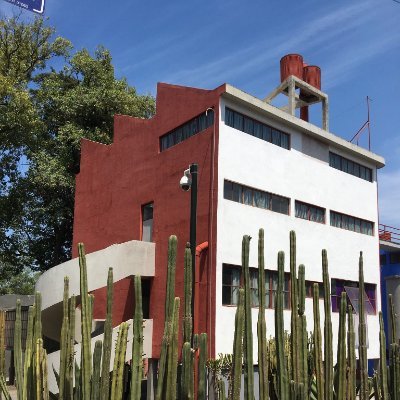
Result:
<point x="206" y="43"/>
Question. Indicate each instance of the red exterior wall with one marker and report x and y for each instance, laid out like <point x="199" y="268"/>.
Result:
<point x="116" y="180"/>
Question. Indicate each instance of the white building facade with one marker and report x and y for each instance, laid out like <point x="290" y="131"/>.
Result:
<point x="280" y="173"/>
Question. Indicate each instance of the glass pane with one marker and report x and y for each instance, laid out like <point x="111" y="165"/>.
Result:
<point x="257" y="130"/>
<point x="228" y="190"/>
<point x="279" y="204"/>
<point x="229" y="117"/>
<point x="237" y="193"/>
<point x="266" y="133"/>
<point x="276" y="137"/>
<point x="248" y="196"/>
<point x="238" y="121"/>
<point x="260" y="199"/>
<point x="248" y="125"/>
<point x="284" y="141"/>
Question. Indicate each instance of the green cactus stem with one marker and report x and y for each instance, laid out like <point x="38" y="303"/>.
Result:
<point x="351" y="355"/>
<point x="187" y="317"/>
<point x="237" y="349"/>
<point x="64" y="342"/>
<point x="202" y="370"/>
<point x="187" y="371"/>
<point x="261" y="324"/>
<point x="318" y="363"/>
<point x="86" y="364"/>
<point x="173" y="353"/>
<point x="248" y="332"/>
<point x="137" y="343"/>
<point x="328" y="346"/>
<point x="169" y="307"/>
<point x="362" y="335"/>
<point x="340" y="378"/>
<point x="383" y="378"/>
<point x="302" y="335"/>
<point x="294" y="301"/>
<point x="95" y="393"/>
<point x="282" y="377"/>
<point x="108" y="329"/>
<point x="28" y="376"/>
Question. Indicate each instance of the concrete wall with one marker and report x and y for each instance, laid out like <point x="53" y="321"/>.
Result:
<point x="302" y="173"/>
<point x="126" y="259"/>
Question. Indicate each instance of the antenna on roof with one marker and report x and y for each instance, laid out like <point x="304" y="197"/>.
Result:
<point x="367" y="124"/>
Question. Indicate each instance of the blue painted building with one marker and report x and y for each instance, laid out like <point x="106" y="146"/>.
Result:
<point x="390" y="272"/>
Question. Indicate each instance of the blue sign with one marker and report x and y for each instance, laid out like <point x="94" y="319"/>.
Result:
<point x="36" y="6"/>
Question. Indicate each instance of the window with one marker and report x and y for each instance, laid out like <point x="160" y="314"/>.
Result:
<point x="147" y="222"/>
<point x="232" y="280"/>
<point x="310" y="288"/>
<point x="352" y="223"/>
<point x="351" y="288"/>
<point x="382" y="259"/>
<point x="350" y="167"/>
<point x="394" y="258"/>
<point x="255" y="128"/>
<point x="309" y="212"/>
<point x="187" y="130"/>
<point x="256" y="198"/>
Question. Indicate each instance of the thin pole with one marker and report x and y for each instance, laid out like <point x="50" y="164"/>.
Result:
<point x="193" y="227"/>
<point x="369" y="128"/>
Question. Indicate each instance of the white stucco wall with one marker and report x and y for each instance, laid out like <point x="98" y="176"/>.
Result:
<point x="302" y="173"/>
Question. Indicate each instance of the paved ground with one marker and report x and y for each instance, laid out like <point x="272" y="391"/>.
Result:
<point x="13" y="392"/>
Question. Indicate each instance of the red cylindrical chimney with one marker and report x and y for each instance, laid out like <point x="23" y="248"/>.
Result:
<point x="291" y="64"/>
<point x="312" y="75"/>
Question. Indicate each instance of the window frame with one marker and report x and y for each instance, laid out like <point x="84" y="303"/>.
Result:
<point x="265" y="132"/>
<point x="309" y="207"/>
<point x="344" y="221"/>
<point x="241" y="189"/>
<point x="350" y="167"/>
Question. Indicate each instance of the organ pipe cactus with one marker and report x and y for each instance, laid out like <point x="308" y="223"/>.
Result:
<point x="294" y="300"/>
<point x="173" y="353"/>
<point x="86" y="320"/>
<point x="394" y="359"/>
<point x="328" y="346"/>
<point x="261" y="324"/>
<point x="282" y="378"/>
<point x="187" y="371"/>
<point x="351" y="356"/>
<point x="340" y="378"/>
<point x="202" y="371"/>
<point x="137" y="343"/>
<point x="302" y="332"/>
<point x="169" y="307"/>
<point x="237" y="349"/>
<point x="64" y="342"/>
<point x="95" y="393"/>
<point x="187" y="317"/>
<point x="362" y="336"/>
<point x="383" y="378"/>
<point x="107" y="339"/>
<point x="318" y="363"/>
<point x="248" y="331"/>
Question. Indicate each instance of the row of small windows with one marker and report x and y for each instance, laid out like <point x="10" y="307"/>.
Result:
<point x="351" y="167"/>
<point x="232" y="281"/>
<point x="394" y="258"/>
<point x="273" y="202"/>
<point x="255" y="128"/>
<point x="254" y="197"/>
<point x="352" y="223"/>
<point x="187" y="130"/>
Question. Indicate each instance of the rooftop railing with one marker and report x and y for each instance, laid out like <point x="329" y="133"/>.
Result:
<point x="389" y="234"/>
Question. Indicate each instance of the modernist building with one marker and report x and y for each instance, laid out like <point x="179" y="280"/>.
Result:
<point x="259" y="166"/>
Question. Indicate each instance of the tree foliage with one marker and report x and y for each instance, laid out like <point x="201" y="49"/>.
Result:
<point x="44" y="114"/>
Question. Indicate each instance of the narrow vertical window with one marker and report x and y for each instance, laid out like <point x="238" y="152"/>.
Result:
<point x="147" y="222"/>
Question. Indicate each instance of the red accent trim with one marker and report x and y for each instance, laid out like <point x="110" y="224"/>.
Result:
<point x="200" y="248"/>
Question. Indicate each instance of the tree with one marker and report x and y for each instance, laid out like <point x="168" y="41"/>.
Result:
<point x="48" y="113"/>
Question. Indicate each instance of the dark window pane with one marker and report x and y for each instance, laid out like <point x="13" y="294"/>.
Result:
<point x="284" y="141"/>
<point x="280" y="204"/>
<point x="267" y="133"/>
<point x="237" y="193"/>
<point x="228" y="190"/>
<point x="276" y="137"/>
<point x="258" y="130"/>
<point x="248" y="126"/>
<point x="238" y="121"/>
<point x="248" y="196"/>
